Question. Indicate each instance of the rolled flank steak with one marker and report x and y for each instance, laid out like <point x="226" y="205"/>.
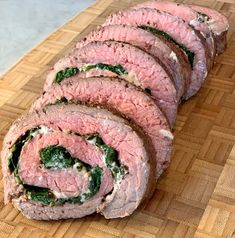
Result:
<point x="69" y="161"/>
<point x="175" y="30"/>
<point x="169" y="56"/>
<point x="122" y="97"/>
<point x="128" y="62"/>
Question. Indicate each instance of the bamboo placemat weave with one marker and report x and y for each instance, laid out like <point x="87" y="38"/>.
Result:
<point x="196" y="197"/>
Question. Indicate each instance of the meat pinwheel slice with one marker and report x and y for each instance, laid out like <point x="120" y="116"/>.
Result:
<point x="71" y="161"/>
<point x="176" y="31"/>
<point x="192" y="17"/>
<point x="168" y="55"/>
<point x="128" y="62"/>
<point x="118" y="96"/>
<point x="217" y="23"/>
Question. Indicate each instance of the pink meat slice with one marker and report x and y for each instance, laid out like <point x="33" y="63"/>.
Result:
<point x="143" y="70"/>
<point x="127" y="193"/>
<point x="187" y="14"/>
<point x="217" y="23"/>
<point x="171" y="25"/>
<point x="124" y="98"/>
<point x="66" y="181"/>
<point x="165" y="55"/>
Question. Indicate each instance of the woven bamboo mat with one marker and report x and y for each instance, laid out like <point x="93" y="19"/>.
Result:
<point x="196" y="197"/>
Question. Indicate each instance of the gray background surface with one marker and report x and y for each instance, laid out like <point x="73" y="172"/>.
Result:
<point x="25" y="23"/>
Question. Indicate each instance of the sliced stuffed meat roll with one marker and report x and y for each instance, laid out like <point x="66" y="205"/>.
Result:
<point x="218" y="24"/>
<point x="71" y="161"/>
<point x="112" y="58"/>
<point x="167" y="25"/>
<point x="170" y="57"/>
<point x="122" y="97"/>
<point x="190" y="16"/>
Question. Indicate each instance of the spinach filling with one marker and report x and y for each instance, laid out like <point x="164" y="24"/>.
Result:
<point x="57" y="157"/>
<point x="62" y="100"/>
<point x="110" y="156"/>
<point x="15" y="153"/>
<point x="69" y="72"/>
<point x="66" y="73"/>
<point x="155" y="31"/>
<point x="38" y="194"/>
<point x="45" y="195"/>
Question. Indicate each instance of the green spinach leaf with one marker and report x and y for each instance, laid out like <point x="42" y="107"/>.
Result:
<point x="158" y="32"/>
<point x="110" y="155"/>
<point x="66" y="73"/>
<point x="62" y="100"/>
<point x="16" y="151"/>
<point x="69" y="72"/>
<point x="56" y="157"/>
<point x="95" y="181"/>
<point x="38" y="194"/>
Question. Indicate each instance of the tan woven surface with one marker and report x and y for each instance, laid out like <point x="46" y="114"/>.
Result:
<point x="196" y="197"/>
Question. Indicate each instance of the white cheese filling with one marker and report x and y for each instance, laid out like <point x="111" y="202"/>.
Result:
<point x="167" y="134"/>
<point x="195" y="22"/>
<point x="42" y="131"/>
<point x="173" y="56"/>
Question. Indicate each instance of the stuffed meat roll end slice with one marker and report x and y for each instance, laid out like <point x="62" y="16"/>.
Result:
<point x="71" y="161"/>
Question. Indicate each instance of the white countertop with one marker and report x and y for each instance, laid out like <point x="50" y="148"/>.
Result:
<point x="25" y="23"/>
